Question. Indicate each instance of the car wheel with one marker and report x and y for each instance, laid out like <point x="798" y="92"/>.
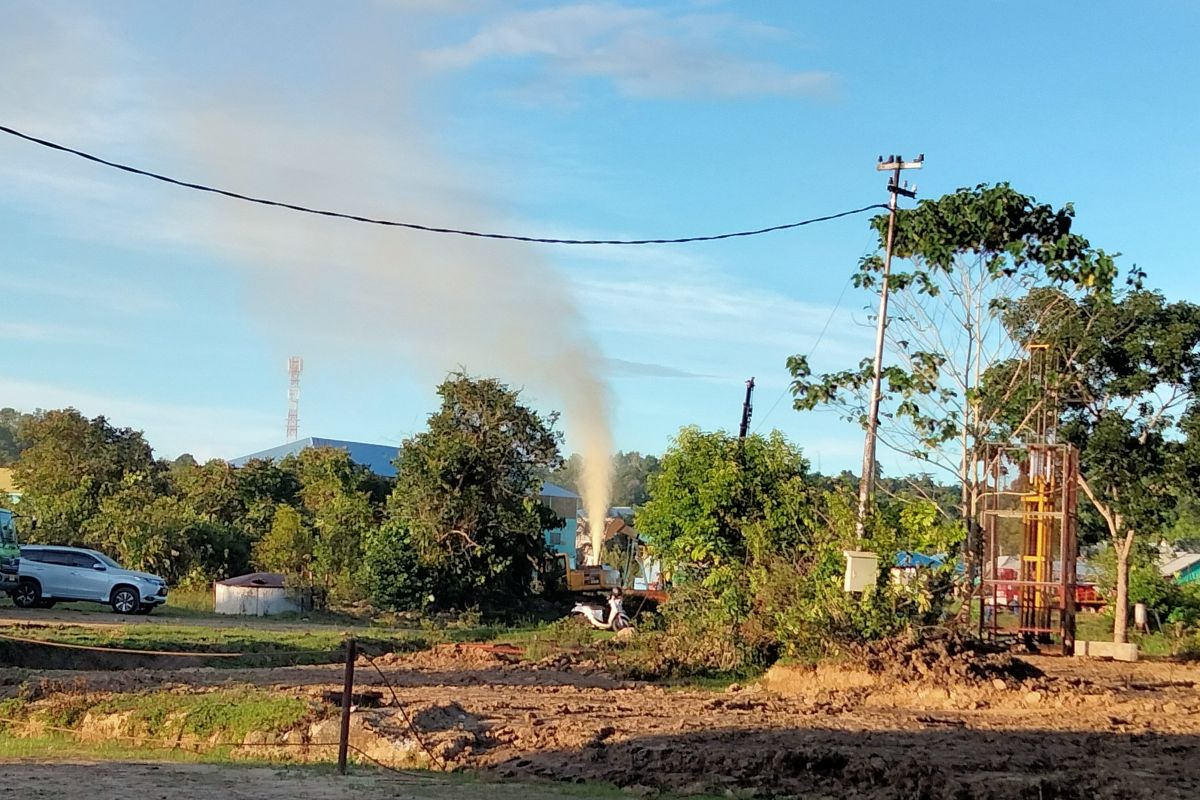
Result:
<point x="27" y="594"/>
<point x="125" y="600"/>
<point x="145" y="609"/>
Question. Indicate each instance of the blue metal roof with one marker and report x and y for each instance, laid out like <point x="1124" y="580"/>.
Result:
<point x="376" y="457"/>
<point x="554" y="490"/>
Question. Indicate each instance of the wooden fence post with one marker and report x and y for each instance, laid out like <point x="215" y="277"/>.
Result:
<point x="347" y="692"/>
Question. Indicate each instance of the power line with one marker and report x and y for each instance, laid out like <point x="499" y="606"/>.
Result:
<point x="811" y="350"/>
<point x="413" y="225"/>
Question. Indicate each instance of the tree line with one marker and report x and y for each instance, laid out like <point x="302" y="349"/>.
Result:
<point x="982" y="273"/>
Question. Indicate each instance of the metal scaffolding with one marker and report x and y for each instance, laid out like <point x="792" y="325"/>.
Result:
<point x="1027" y="514"/>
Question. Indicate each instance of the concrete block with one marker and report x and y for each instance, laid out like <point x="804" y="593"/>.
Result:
<point x="1117" y="652"/>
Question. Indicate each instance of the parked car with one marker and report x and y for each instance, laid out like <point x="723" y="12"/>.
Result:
<point x="49" y="574"/>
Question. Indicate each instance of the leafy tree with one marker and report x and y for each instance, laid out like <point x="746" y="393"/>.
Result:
<point x="754" y="544"/>
<point x="263" y="486"/>
<point x="142" y="529"/>
<point x="568" y="473"/>
<point x="213" y="490"/>
<point x="287" y="548"/>
<point x="630" y="471"/>
<point x="336" y="497"/>
<point x="967" y="252"/>
<point x="1125" y="372"/>
<point x="719" y="501"/>
<point x="11" y="443"/>
<point x="466" y="492"/>
<point x="71" y="464"/>
<point x="395" y="575"/>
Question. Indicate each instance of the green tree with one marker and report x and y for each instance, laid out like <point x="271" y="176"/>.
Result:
<point x="263" y="486"/>
<point x="754" y="547"/>
<point x="142" y="529"/>
<point x="11" y="443"/>
<point x="630" y="472"/>
<point x="719" y="502"/>
<point x="966" y="253"/>
<point x="466" y="492"/>
<point x="1124" y="374"/>
<point x="287" y="548"/>
<point x="395" y="576"/>
<point x="336" y="496"/>
<point x="70" y="464"/>
<point x="213" y="490"/>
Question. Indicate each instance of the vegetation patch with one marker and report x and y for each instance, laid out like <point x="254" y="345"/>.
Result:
<point x="223" y="716"/>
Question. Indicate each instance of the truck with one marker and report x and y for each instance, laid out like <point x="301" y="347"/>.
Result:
<point x="10" y="552"/>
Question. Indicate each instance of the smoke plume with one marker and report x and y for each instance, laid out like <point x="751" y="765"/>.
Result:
<point x="345" y="128"/>
<point x="435" y="302"/>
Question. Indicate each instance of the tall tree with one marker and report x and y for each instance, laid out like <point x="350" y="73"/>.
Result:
<point x="1125" y="375"/>
<point x="70" y="464"/>
<point x="287" y="548"/>
<point x="466" y="491"/>
<point x="336" y="500"/>
<point x="966" y="252"/>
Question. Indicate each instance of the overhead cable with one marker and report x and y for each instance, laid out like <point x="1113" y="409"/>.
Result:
<point x="416" y="226"/>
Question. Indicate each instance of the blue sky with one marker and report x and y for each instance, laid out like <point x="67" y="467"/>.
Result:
<point x="175" y="313"/>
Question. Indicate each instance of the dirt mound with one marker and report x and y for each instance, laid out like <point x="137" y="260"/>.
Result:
<point x="943" y="658"/>
<point x="452" y="657"/>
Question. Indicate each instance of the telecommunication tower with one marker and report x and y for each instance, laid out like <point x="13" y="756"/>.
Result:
<point x="295" y="367"/>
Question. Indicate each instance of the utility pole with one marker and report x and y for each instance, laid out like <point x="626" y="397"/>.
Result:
<point x="747" y="410"/>
<point x="866" y="485"/>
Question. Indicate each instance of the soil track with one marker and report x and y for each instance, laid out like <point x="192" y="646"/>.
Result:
<point x="125" y="780"/>
<point x="1075" y="729"/>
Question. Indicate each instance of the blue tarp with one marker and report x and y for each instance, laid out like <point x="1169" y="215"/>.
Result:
<point x="904" y="559"/>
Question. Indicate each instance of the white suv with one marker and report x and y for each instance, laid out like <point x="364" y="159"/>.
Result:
<point x="49" y="574"/>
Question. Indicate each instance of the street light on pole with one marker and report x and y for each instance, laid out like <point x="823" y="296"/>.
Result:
<point x="866" y="485"/>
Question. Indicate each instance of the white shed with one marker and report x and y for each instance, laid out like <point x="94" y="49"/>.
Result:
<point x="257" y="594"/>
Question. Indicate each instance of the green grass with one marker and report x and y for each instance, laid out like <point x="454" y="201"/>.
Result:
<point x="295" y="645"/>
<point x="225" y="714"/>
<point x="229" y="714"/>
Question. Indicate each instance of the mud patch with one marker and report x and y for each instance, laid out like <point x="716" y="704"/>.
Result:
<point x="942" y="658"/>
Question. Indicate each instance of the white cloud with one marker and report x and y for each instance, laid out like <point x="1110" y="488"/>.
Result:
<point x="171" y="428"/>
<point x="643" y="52"/>
<point x="18" y="331"/>
<point x="658" y="293"/>
<point x="130" y="300"/>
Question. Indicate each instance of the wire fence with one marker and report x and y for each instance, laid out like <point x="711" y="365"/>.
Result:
<point x="37" y="738"/>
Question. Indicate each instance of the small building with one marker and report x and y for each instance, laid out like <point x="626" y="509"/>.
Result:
<point x="258" y="594"/>
<point x="1183" y="568"/>
<point x="565" y="504"/>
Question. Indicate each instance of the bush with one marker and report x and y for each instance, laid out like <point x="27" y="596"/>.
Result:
<point x="395" y="578"/>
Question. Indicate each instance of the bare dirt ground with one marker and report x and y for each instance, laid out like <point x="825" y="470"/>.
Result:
<point x="123" y="780"/>
<point x="934" y="726"/>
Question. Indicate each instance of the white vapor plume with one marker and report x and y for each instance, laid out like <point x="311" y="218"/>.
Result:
<point x="332" y="289"/>
<point x="437" y="301"/>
